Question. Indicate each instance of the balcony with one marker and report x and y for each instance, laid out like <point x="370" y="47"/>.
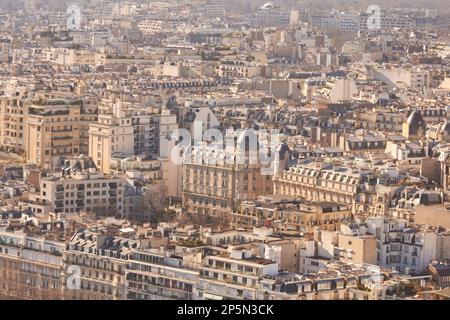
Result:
<point x="79" y="203"/>
<point x="112" y="193"/>
<point x="59" y="204"/>
<point x="62" y="130"/>
<point x="42" y="112"/>
<point x="113" y="185"/>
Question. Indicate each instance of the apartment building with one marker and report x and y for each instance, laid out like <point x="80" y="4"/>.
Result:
<point x="82" y="191"/>
<point x="360" y="249"/>
<point x="153" y="275"/>
<point x="379" y="120"/>
<point x="192" y="115"/>
<point x="215" y="184"/>
<point x="352" y="22"/>
<point x="240" y="69"/>
<point x="409" y="155"/>
<point x="324" y="286"/>
<point x="436" y="215"/>
<point x="319" y="183"/>
<point x="30" y="266"/>
<point x="100" y="259"/>
<point x="336" y="281"/>
<point x="362" y="143"/>
<point x="192" y="85"/>
<point x="351" y="244"/>
<point x="391" y="21"/>
<point x="6" y="51"/>
<point x="233" y="275"/>
<point x="113" y="133"/>
<point x="402" y="246"/>
<point x="358" y="21"/>
<point x="125" y="129"/>
<point x="237" y="236"/>
<point x="433" y="114"/>
<point x="289" y="214"/>
<point x="66" y="56"/>
<point x="52" y="130"/>
<point x="150" y="27"/>
<point x="440" y="272"/>
<point x="263" y="241"/>
<point x="439" y="131"/>
<point x="403" y="77"/>
<point x="146" y="139"/>
<point x="271" y="16"/>
<point x="214" y="9"/>
<point x="13" y="112"/>
<point x="148" y="130"/>
<point x="325" y="20"/>
<point x="88" y="114"/>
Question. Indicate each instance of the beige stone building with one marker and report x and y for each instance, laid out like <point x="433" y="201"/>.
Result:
<point x="113" y="133"/>
<point x="127" y="129"/>
<point x="289" y="214"/>
<point x="100" y="259"/>
<point x="379" y="120"/>
<point x="433" y="215"/>
<point x="215" y="188"/>
<point x="157" y="276"/>
<point x="361" y="249"/>
<point x="30" y="267"/>
<point x="52" y="130"/>
<point x="234" y="274"/>
<point x="83" y="192"/>
<point x="88" y="114"/>
<point x="348" y="245"/>
<point x="13" y="110"/>
<point x="319" y="182"/>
